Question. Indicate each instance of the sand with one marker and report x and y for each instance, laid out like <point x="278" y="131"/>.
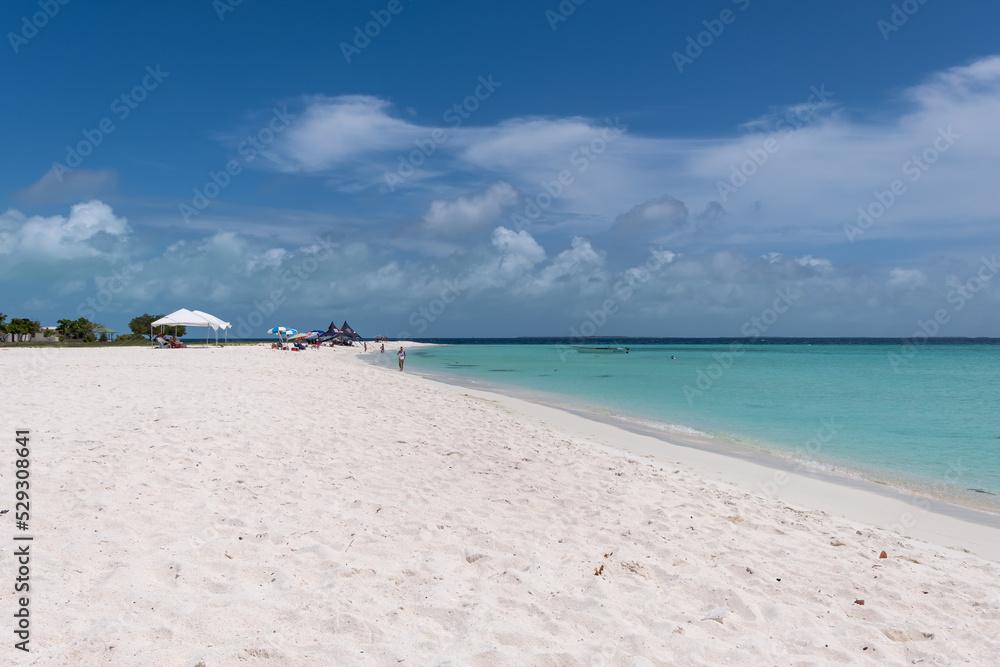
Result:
<point x="244" y="506"/>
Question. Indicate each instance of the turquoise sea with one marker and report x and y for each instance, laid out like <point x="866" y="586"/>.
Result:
<point x="924" y="418"/>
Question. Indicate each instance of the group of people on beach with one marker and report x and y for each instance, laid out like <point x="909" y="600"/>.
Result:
<point x="171" y="341"/>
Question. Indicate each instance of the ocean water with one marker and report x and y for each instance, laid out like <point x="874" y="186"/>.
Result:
<point x="921" y="418"/>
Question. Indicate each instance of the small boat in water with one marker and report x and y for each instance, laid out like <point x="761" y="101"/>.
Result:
<point x="601" y="350"/>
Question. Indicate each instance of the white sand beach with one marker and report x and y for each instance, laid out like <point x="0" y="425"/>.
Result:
<point x="244" y="506"/>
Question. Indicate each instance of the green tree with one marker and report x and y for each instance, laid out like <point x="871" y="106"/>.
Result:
<point x="22" y="326"/>
<point x="141" y="325"/>
<point x="80" y="328"/>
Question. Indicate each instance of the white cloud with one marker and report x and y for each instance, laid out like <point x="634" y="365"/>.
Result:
<point x="517" y="253"/>
<point x="817" y="263"/>
<point x="579" y="268"/>
<point x="513" y="143"/>
<point x="69" y="185"/>
<point x="660" y="212"/>
<point x="59" y="237"/>
<point x="820" y="174"/>
<point x="906" y="278"/>
<point x="805" y="188"/>
<point x="808" y="185"/>
<point x="269" y="259"/>
<point x="784" y="225"/>
<point x="701" y="292"/>
<point x="470" y="213"/>
<point x="334" y="131"/>
<point x="795" y="115"/>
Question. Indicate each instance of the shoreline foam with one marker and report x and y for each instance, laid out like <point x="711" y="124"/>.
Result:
<point x="890" y="484"/>
<point x="866" y="501"/>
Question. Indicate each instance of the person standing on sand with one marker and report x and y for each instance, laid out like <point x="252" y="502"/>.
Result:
<point x="402" y="357"/>
<point x="383" y="348"/>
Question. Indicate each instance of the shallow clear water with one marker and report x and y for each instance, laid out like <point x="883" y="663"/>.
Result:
<point x="929" y="422"/>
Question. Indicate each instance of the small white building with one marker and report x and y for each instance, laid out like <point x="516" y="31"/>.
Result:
<point x="40" y="337"/>
<point x="37" y="337"/>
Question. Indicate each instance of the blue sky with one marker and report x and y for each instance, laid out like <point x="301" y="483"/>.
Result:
<point x="504" y="169"/>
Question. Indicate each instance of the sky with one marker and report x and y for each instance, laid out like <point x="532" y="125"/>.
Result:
<point x="518" y="168"/>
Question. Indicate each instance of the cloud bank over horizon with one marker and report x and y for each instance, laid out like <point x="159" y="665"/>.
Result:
<point x="529" y="225"/>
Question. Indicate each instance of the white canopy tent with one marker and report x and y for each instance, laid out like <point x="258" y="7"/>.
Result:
<point x="193" y="318"/>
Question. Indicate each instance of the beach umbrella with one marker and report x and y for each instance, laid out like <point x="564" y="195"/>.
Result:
<point x="305" y="335"/>
<point x="282" y="331"/>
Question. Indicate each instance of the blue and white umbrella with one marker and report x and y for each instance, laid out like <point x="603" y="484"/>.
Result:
<point x="282" y="332"/>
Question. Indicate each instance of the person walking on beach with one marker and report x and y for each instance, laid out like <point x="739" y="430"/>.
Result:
<point x="402" y="357"/>
<point x="383" y="348"/>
